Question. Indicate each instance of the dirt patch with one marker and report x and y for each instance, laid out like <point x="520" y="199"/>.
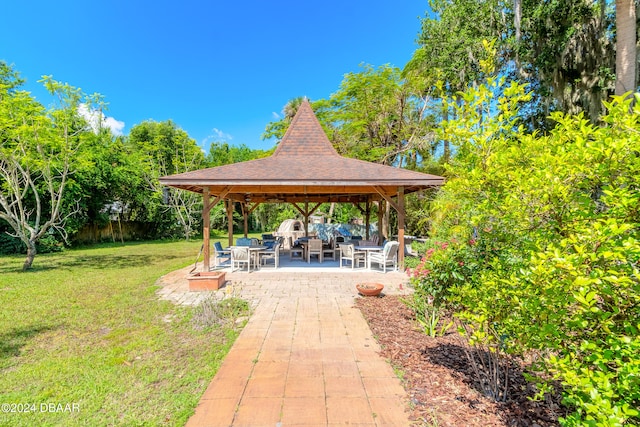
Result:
<point x="439" y="379"/>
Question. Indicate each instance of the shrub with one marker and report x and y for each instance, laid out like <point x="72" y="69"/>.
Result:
<point x="444" y="265"/>
<point x="556" y="224"/>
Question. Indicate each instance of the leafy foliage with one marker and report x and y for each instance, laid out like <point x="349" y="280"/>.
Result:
<point x="163" y="149"/>
<point x="563" y="49"/>
<point x="39" y="154"/>
<point x="552" y="223"/>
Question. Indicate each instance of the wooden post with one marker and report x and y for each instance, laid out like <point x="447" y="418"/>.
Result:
<point x="367" y="217"/>
<point x="245" y="216"/>
<point x="381" y="233"/>
<point x="306" y="219"/>
<point x="230" y="221"/>
<point x="401" y="212"/>
<point x="206" y="232"/>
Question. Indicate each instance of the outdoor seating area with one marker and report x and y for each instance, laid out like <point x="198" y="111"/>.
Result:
<point x="343" y="254"/>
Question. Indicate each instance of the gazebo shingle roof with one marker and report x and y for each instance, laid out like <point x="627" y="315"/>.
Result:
<point x="304" y="165"/>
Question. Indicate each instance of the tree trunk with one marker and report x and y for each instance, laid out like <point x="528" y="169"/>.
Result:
<point x="332" y="209"/>
<point x="386" y="220"/>
<point x="625" y="46"/>
<point x="517" y="17"/>
<point x="31" y="254"/>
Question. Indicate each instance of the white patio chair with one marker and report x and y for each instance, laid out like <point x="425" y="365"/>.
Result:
<point x="349" y="253"/>
<point x="388" y="256"/>
<point x="239" y="256"/>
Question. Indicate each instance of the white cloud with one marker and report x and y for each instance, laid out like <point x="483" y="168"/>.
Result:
<point x="275" y="115"/>
<point x="217" y="133"/>
<point x="116" y="126"/>
<point x="218" y="136"/>
<point x="96" y="120"/>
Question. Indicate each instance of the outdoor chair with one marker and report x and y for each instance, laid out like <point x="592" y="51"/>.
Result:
<point x="295" y="251"/>
<point x="349" y="253"/>
<point x="273" y="243"/>
<point x="388" y="256"/>
<point x="329" y="250"/>
<point x="243" y="241"/>
<point x="221" y="255"/>
<point x="239" y="256"/>
<point x="268" y="255"/>
<point x="314" y="247"/>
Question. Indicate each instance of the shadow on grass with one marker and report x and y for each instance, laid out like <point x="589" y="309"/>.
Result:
<point x="12" y="341"/>
<point x="91" y="262"/>
<point x="114" y="261"/>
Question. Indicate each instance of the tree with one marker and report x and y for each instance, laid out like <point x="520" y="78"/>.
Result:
<point x="563" y="49"/>
<point x="221" y="153"/>
<point x="380" y="116"/>
<point x="163" y="149"/>
<point x="37" y="158"/>
<point x="626" y="60"/>
<point x="451" y="41"/>
<point x="566" y="52"/>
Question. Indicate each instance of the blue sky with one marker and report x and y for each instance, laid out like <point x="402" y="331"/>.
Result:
<point x="221" y="70"/>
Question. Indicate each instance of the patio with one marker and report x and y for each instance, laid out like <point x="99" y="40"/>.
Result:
<point x="306" y="356"/>
<point x="292" y="277"/>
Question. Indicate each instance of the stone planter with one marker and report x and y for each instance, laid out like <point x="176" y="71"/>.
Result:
<point x="206" y="281"/>
<point x="369" y="289"/>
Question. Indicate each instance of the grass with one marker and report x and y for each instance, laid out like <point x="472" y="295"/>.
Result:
<point x="85" y="328"/>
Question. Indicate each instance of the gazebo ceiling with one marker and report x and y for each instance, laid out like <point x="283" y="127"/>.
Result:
<point x="304" y="168"/>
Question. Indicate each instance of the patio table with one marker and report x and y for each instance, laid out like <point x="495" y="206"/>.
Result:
<point x="367" y="250"/>
<point x="253" y="253"/>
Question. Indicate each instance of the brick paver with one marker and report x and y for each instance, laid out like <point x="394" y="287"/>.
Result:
<point x="306" y="356"/>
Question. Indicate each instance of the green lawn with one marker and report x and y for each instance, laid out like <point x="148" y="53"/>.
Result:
<point x="85" y="329"/>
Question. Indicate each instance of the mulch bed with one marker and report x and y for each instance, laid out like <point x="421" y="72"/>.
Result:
<point x="439" y="379"/>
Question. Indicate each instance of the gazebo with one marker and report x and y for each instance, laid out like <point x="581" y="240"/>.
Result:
<point x="306" y="171"/>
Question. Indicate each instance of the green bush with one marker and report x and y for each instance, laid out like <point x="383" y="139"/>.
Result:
<point x="554" y="268"/>
<point x="12" y="245"/>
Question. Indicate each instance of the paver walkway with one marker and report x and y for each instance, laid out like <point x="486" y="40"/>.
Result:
<point x="305" y="358"/>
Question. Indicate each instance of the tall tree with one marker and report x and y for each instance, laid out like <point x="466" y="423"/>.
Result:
<point x="380" y="116"/>
<point x="563" y="49"/>
<point x="566" y="52"/>
<point x="626" y="49"/>
<point x="164" y="149"/>
<point x="37" y="157"/>
<point x="451" y="40"/>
